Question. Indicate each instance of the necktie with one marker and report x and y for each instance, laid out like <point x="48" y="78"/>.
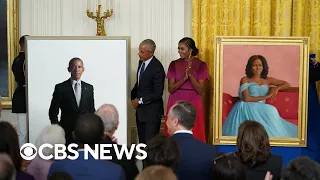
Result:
<point x="77" y="92"/>
<point x="141" y="70"/>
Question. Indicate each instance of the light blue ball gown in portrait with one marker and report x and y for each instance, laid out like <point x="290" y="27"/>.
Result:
<point x="265" y="114"/>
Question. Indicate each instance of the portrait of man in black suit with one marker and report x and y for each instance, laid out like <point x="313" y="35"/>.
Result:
<point x="73" y="97"/>
<point x="146" y="95"/>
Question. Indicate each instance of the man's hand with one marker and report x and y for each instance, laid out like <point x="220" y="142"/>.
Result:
<point x="135" y="103"/>
<point x="313" y="61"/>
<point x="268" y="176"/>
<point x="114" y="139"/>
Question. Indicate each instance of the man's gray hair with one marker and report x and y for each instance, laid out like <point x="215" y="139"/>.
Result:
<point x="150" y="44"/>
<point x="185" y="112"/>
<point x="51" y="134"/>
<point x="109" y="115"/>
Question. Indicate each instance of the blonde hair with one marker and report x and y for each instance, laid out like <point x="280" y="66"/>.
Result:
<point x="156" y="172"/>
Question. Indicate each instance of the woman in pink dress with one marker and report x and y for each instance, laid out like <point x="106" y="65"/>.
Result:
<point x="186" y="79"/>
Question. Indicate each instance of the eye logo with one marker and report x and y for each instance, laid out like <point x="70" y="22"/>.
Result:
<point x="28" y="151"/>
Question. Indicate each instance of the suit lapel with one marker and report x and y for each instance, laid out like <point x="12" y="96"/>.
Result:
<point x="140" y="63"/>
<point x="83" y="90"/>
<point x="147" y="69"/>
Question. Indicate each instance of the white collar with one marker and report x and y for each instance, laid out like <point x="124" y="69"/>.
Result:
<point x="147" y="61"/>
<point x="74" y="81"/>
<point x="183" y="131"/>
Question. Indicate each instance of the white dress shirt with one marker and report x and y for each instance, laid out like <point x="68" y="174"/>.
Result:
<point x="146" y="63"/>
<point x="183" y="131"/>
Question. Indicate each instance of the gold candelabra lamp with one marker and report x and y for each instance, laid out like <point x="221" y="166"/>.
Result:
<point x="100" y="19"/>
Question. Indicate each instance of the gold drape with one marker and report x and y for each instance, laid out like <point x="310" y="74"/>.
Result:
<point x="212" y="18"/>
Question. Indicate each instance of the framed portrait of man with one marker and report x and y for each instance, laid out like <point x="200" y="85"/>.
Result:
<point x="264" y="79"/>
<point x="9" y="33"/>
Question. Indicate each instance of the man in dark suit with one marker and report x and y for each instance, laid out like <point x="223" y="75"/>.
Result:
<point x="88" y="131"/>
<point x="73" y="97"/>
<point x="19" y="96"/>
<point x="110" y="118"/>
<point x="313" y="143"/>
<point x="196" y="157"/>
<point x="147" y="93"/>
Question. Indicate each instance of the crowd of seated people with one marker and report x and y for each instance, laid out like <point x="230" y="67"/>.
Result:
<point x="179" y="156"/>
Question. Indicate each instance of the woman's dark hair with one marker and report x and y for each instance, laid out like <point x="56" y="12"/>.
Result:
<point x="228" y="167"/>
<point x="162" y="150"/>
<point x="301" y="168"/>
<point x="190" y="44"/>
<point x="253" y="143"/>
<point x="9" y="143"/>
<point x="265" y="70"/>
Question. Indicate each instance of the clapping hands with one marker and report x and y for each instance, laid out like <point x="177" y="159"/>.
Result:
<point x="189" y="69"/>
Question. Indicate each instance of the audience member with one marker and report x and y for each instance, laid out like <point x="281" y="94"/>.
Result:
<point x="253" y="150"/>
<point x="302" y="168"/>
<point x="228" y="167"/>
<point x="195" y="156"/>
<point x="19" y="106"/>
<point x="88" y="130"/>
<point x="7" y="169"/>
<point x="110" y="118"/>
<point x="162" y="150"/>
<point x="9" y="144"/>
<point x="156" y="172"/>
<point x="60" y="176"/>
<point x="51" y="134"/>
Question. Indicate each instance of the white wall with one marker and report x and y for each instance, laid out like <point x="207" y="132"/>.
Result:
<point x="164" y="21"/>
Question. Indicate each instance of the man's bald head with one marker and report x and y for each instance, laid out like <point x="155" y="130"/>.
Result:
<point x="110" y="117"/>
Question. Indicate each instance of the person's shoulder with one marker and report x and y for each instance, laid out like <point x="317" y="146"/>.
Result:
<point x="113" y="167"/>
<point x="23" y="175"/>
<point x="61" y="84"/>
<point x="199" y="60"/>
<point x="244" y="79"/>
<point x="175" y="61"/>
<point x="87" y="84"/>
<point x="275" y="158"/>
<point x="156" y="60"/>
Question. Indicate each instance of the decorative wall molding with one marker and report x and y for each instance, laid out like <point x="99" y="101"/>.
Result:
<point x="164" y="21"/>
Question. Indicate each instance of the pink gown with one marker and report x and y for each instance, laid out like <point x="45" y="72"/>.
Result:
<point x="187" y="92"/>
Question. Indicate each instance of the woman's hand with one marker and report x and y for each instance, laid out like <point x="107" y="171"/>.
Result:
<point x="274" y="95"/>
<point x="270" y="93"/>
<point x="189" y="71"/>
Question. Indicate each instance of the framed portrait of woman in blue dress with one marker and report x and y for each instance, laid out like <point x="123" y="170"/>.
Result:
<point x="262" y="79"/>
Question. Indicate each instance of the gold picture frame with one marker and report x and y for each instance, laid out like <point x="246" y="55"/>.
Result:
<point x="226" y="49"/>
<point x="13" y="47"/>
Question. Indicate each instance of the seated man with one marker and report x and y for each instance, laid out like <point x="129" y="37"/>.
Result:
<point x="88" y="130"/>
<point x="110" y="118"/>
<point x="195" y="156"/>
